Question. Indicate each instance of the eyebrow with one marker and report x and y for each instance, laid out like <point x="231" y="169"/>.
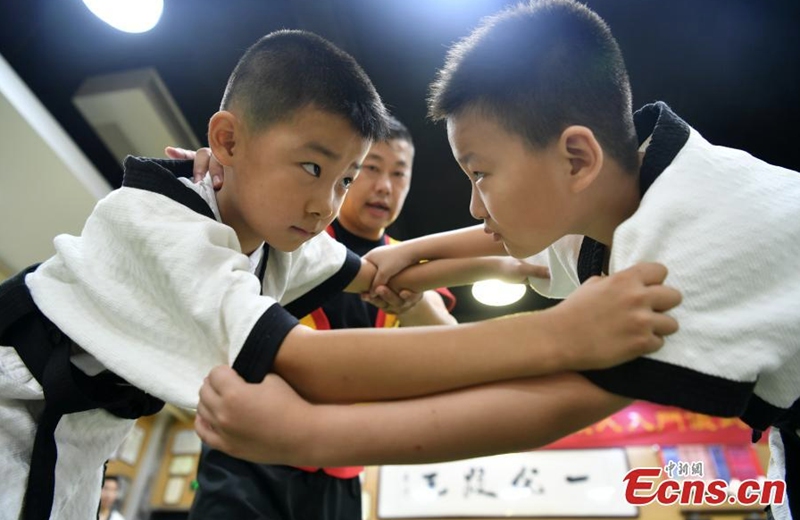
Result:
<point x="466" y="158"/>
<point x="319" y="148"/>
<point x="378" y="158"/>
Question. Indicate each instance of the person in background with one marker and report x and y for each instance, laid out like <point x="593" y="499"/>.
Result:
<point x="108" y="499"/>
<point x="234" y="488"/>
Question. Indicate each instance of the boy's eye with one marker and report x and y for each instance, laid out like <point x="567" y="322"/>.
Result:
<point x="312" y="168"/>
<point x="478" y="175"/>
<point x="346" y="182"/>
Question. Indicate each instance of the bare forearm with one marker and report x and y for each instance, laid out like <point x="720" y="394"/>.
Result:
<point x="363" y="280"/>
<point x="461" y="243"/>
<point x="444" y="273"/>
<point x="604" y="323"/>
<point x="499" y="418"/>
<point x="369" y="364"/>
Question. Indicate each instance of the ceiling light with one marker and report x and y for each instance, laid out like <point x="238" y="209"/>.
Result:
<point x="497" y="293"/>
<point x="133" y="16"/>
<point x="133" y="113"/>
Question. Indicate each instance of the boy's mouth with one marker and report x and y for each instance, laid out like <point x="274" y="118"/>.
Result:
<point x="497" y="237"/>
<point x="302" y="232"/>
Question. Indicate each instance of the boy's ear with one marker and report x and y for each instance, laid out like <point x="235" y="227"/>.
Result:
<point x="222" y="134"/>
<point x="584" y="154"/>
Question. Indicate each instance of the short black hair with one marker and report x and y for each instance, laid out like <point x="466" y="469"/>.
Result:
<point x="288" y="70"/>
<point x="397" y="131"/>
<point x="538" y="68"/>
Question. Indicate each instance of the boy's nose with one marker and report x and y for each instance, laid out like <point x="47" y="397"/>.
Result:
<point x="476" y="207"/>
<point x="323" y="206"/>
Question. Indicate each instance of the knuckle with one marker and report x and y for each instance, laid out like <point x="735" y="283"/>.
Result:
<point x="655" y="343"/>
<point x="642" y="320"/>
<point x="640" y="342"/>
<point x="223" y="421"/>
<point x="636" y="300"/>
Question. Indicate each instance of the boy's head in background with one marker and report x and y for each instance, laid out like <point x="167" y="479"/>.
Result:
<point x="376" y="198"/>
<point x="295" y="123"/>
<point x="538" y="105"/>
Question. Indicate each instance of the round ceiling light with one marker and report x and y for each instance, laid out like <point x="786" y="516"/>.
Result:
<point x="497" y="293"/>
<point x="133" y="16"/>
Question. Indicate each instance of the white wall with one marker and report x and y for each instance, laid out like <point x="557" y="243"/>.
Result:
<point x="47" y="185"/>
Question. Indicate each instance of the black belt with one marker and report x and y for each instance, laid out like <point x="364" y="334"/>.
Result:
<point x="46" y="350"/>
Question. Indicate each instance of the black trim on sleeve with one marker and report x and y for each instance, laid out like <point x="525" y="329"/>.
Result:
<point x="258" y="353"/>
<point x="159" y="176"/>
<point x="672" y="385"/>
<point x="330" y="287"/>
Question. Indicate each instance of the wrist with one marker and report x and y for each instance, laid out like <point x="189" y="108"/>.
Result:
<point x="491" y="267"/>
<point x="560" y="336"/>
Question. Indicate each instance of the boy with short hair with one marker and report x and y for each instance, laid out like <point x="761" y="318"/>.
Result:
<point x="169" y="279"/>
<point x="235" y="488"/>
<point x="538" y="110"/>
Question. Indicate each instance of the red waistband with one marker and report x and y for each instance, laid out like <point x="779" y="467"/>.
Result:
<point x="343" y="472"/>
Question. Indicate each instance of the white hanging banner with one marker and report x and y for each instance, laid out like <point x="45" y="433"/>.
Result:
<point x="539" y="483"/>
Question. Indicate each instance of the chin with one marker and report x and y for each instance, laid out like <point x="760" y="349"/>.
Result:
<point x="288" y="246"/>
<point x="520" y="253"/>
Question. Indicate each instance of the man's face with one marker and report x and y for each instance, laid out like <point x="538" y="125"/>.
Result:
<point x="516" y="190"/>
<point x="109" y="493"/>
<point x="288" y="181"/>
<point x="376" y="198"/>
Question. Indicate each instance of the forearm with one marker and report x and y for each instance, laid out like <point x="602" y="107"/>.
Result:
<point x="453" y="272"/>
<point x="499" y="418"/>
<point x="363" y="280"/>
<point x="460" y="243"/>
<point x="370" y="364"/>
<point x="604" y="323"/>
<point x="430" y="310"/>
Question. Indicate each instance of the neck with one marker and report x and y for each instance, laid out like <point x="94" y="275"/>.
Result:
<point x="613" y="200"/>
<point x="248" y="240"/>
<point x="360" y="231"/>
